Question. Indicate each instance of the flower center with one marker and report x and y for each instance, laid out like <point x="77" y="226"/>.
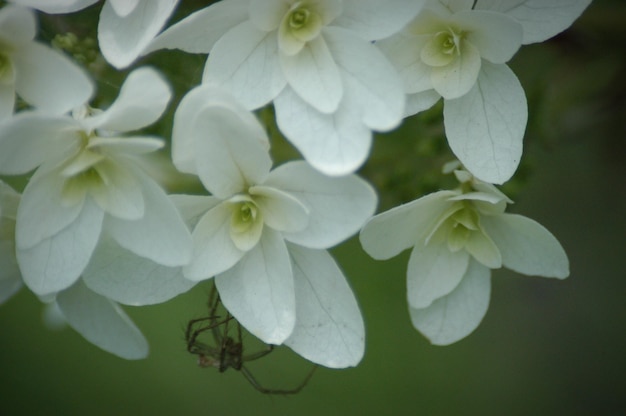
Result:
<point x="443" y="48"/>
<point x="299" y="18"/>
<point x="246" y="222"/>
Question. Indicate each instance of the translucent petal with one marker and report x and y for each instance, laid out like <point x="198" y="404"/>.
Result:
<point x="135" y="145"/>
<point x="230" y="157"/>
<point x="7" y="101"/>
<point x="160" y="235"/>
<point x="484" y="250"/>
<point x="43" y="212"/>
<point x="313" y="75"/>
<point x="267" y="15"/>
<point x="207" y="98"/>
<point x="329" y="327"/>
<point x="421" y="101"/>
<point x="526" y="246"/>
<point x="373" y="19"/>
<point x="433" y="272"/>
<point x="337" y="207"/>
<point x="388" y="234"/>
<point x="124" y="33"/>
<point x="141" y="101"/>
<point x="57" y="262"/>
<point x="403" y="51"/>
<point x="281" y="210"/>
<point x="335" y="144"/>
<point x="49" y="80"/>
<point x="371" y="83"/>
<point x="213" y="249"/>
<point x="486" y="126"/>
<point x="193" y="207"/>
<point x="198" y="32"/>
<point x="29" y="139"/>
<point x="259" y="290"/>
<point x="245" y="62"/>
<point x="124" y="277"/>
<point x="119" y="193"/>
<point x="495" y="35"/>
<point x="102" y="322"/>
<point x="456" y="315"/>
<point x="457" y="79"/>
<point x="540" y="19"/>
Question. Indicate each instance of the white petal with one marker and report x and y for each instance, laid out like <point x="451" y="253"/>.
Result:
<point x="497" y="36"/>
<point x="207" y="98"/>
<point x="141" y="101"/>
<point x="388" y="234"/>
<point x="335" y="144"/>
<point x="281" y="210"/>
<point x="7" y="101"/>
<point x="136" y="145"/>
<point x="370" y="81"/>
<point x="329" y="327"/>
<point x="403" y="51"/>
<point x="457" y="78"/>
<point x="526" y="246"/>
<point x="193" y="207"/>
<point x="374" y="19"/>
<point x="160" y="235"/>
<point x="541" y="19"/>
<point x="124" y="277"/>
<point x="459" y="313"/>
<point x="314" y="76"/>
<point x="213" y="249"/>
<point x="122" y="37"/>
<point x="102" y="322"/>
<point x="121" y="195"/>
<point x="259" y="290"/>
<point x="42" y="212"/>
<point x="433" y="272"/>
<point x="49" y="80"/>
<point x="245" y="61"/>
<point x="29" y="139"/>
<point x="57" y="6"/>
<point x="198" y="32"/>
<point x="17" y="25"/>
<point x="57" y="262"/>
<point x="123" y="7"/>
<point x="486" y="126"/>
<point x="267" y="15"/>
<point x="229" y="155"/>
<point x="338" y="207"/>
<point x="421" y="101"/>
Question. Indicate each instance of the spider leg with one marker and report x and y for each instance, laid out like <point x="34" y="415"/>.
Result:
<point x="253" y="381"/>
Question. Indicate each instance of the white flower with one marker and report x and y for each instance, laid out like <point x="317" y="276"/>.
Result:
<point x="457" y="50"/>
<point x="314" y="59"/>
<point x="10" y="279"/>
<point x="457" y="238"/>
<point x="87" y="181"/>
<point x="125" y="28"/>
<point x="42" y="77"/>
<point x="263" y="233"/>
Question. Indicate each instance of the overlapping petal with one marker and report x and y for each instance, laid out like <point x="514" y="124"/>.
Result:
<point x="259" y="290"/>
<point x="329" y="327"/>
<point x="458" y="314"/>
<point x="102" y="322"/>
<point x="337" y="207"/>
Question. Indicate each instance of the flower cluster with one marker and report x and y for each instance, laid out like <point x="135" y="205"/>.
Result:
<point x="94" y="227"/>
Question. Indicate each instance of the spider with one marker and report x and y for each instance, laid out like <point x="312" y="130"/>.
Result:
<point x="227" y="352"/>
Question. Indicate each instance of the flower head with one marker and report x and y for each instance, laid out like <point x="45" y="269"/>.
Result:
<point x="263" y="232"/>
<point x="88" y="175"/>
<point x="457" y="237"/>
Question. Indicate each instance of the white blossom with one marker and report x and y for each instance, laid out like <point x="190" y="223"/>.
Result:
<point x="263" y="233"/>
<point x="125" y="27"/>
<point x="87" y="181"/>
<point x="458" y="49"/>
<point x="315" y="60"/>
<point x="41" y="76"/>
<point x="457" y="237"/>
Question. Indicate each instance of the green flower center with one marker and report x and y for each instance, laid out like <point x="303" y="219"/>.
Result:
<point x="299" y="18"/>
<point x="7" y="72"/>
<point x="443" y="48"/>
<point x="244" y="216"/>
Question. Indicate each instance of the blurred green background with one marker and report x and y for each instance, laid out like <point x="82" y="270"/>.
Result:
<point x="546" y="347"/>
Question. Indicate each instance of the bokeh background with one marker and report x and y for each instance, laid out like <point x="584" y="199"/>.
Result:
<point x="546" y="347"/>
